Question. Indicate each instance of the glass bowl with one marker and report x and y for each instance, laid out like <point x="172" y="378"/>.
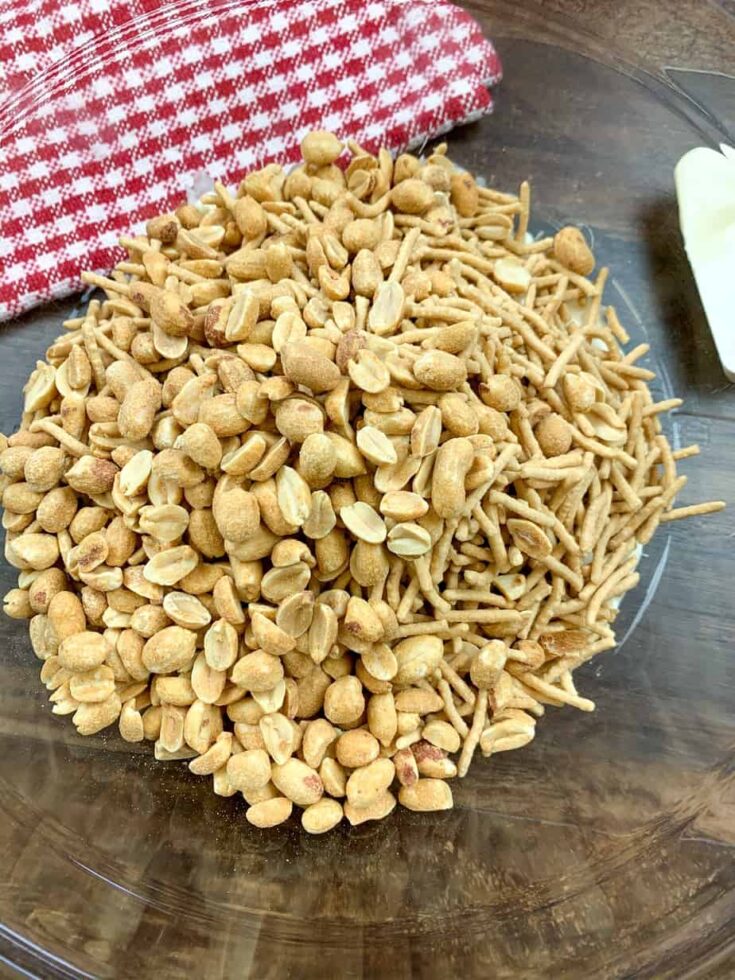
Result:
<point x="605" y="848"/>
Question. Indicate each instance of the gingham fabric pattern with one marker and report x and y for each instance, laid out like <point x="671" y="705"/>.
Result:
<point x="108" y="108"/>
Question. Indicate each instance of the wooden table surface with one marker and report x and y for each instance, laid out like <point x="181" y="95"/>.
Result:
<point x="606" y="848"/>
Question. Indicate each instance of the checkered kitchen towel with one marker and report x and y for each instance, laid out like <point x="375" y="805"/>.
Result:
<point x="109" y="107"/>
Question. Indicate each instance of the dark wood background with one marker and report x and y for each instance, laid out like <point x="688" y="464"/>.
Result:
<point x="606" y="848"/>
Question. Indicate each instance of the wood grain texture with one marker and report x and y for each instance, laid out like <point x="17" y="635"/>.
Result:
<point x="604" y="849"/>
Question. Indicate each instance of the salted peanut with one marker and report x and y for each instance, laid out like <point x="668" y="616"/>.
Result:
<point x="86" y="521"/>
<point x="360" y="233"/>
<point x="443" y="735"/>
<point x="57" y="509"/>
<point x="387" y="309"/>
<point x="220" y="413"/>
<point x="501" y="392"/>
<point x="403" y="506"/>
<point x="369" y="564"/>
<point x="93" y="717"/>
<point x="135" y="581"/>
<point x="258" y="671"/>
<point x="464" y="194"/>
<point x="379" y="809"/>
<point x="579" y="392"/>
<point x="322" y="816"/>
<point x="453" y="461"/>
<point x="323" y="631"/>
<point x="368" y="372"/>
<point x="245" y="710"/>
<point x="572" y="251"/>
<point x="368" y="783"/>
<point x="20" y="498"/>
<point x="214" y="758"/>
<point x="305" y="366"/>
<point x="344" y="701"/>
<point x="425" y="795"/>
<point x="381" y="717"/>
<point x="511" y="275"/>
<point x="102" y="408"/>
<point x="376" y="446"/>
<point x="148" y="620"/>
<point x="152" y="723"/>
<point x="333" y="777"/>
<point x="169" y="312"/>
<point x="488" y="664"/>
<point x="250" y="770"/>
<point x="332" y="554"/>
<point x="164" y="522"/>
<point x="318" y="736"/>
<point x="13" y="461"/>
<point x="296" y="611"/>
<point x="367" y="275"/>
<point x="44" y="587"/>
<point x="131" y="724"/>
<point x="297" y="418"/>
<point x="270" y="637"/>
<point x="97" y="684"/>
<point x="279" y="736"/>
<point x="361" y="621"/>
<point x="269" y="813"/>
<point x="553" y="435"/>
<point x="171" y="649"/>
<point x="294" y="496"/>
<point x="176" y="467"/>
<point x="121" y="542"/>
<point x="320" y="148"/>
<point x="298" y="782"/>
<point x="94" y="604"/>
<point x="440" y="371"/>
<point x="426" y="431"/>
<point x="409" y="540"/>
<point x="529" y="538"/>
<point x="348" y="460"/>
<point x="419" y="701"/>
<point x="237" y="514"/>
<point x="418" y="657"/>
<point x="138" y="409"/>
<point x="88" y="554"/>
<point x="130" y="651"/>
<point x="200" y="443"/>
<point x="202" y="726"/>
<point x="165" y="228"/>
<point x="290" y="551"/>
<point x="66" y="615"/>
<point x="17" y="604"/>
<point x="357" y="748"/>
<point x="363" y="522"/>
<point x="186" y="610"/>
<point x="33" y="551"/>
<point x="91" y="475"/>
<point x="317" y="460"/>
<point x="170" y="566"/>
<point x="204" y="535"/>
<point x="226" y="601"/>
<point x="44" y="468"/>
<point x="412" y="196"/>
<point x="249" y="736"/>
<point x="458" y="416"/>
<point x="350" y="343"/>
<point x="406" y="768"/>
<point x="435" y="768"/>
<point x="322" y="519"/>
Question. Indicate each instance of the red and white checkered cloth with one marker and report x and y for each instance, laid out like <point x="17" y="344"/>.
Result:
<point x="108" y="108"/>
